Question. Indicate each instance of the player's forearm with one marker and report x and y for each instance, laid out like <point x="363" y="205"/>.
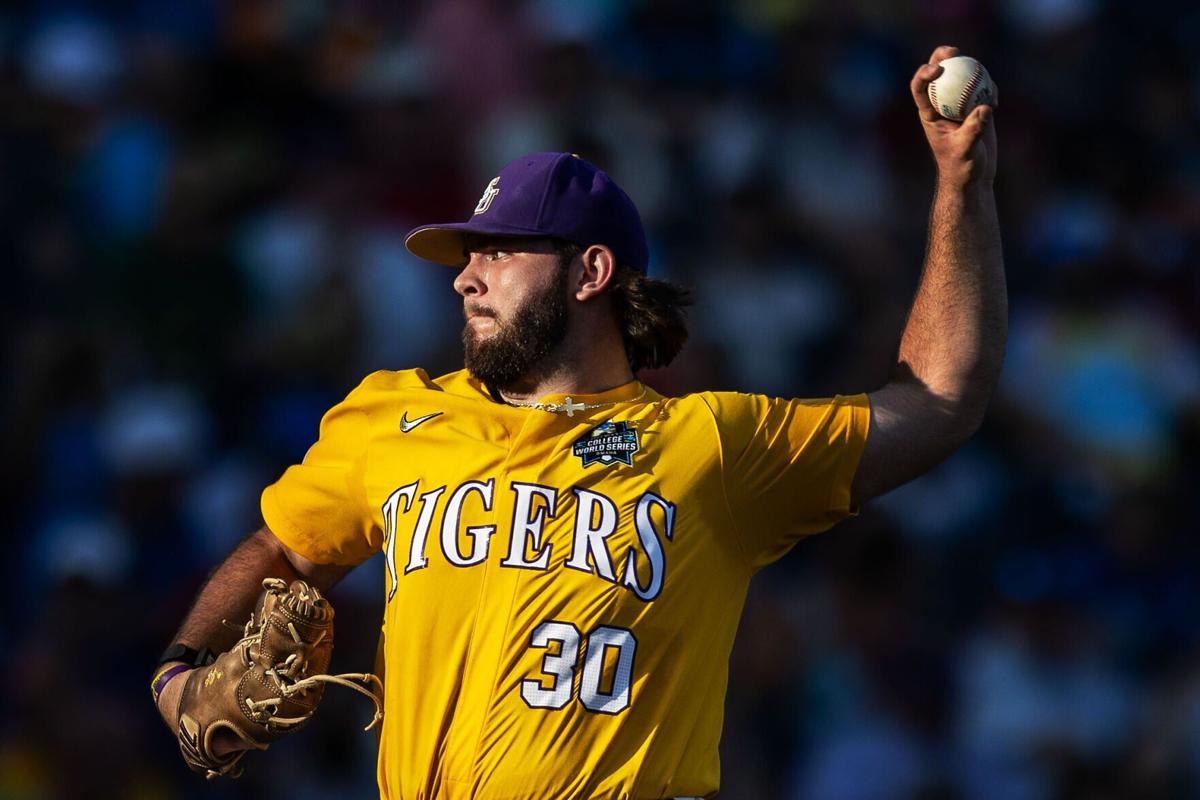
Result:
<point x="232" y="590"/>
<point x="953" y="342"/>
<point x="229" y="594"/>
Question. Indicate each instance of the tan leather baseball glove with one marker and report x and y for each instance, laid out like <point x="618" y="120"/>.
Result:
<point x="269" y="683"/>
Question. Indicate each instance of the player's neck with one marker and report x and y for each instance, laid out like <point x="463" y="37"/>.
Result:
<point x="565" y="385"/>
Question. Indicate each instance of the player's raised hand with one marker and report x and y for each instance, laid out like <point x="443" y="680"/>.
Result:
<point x="965" y="151"/>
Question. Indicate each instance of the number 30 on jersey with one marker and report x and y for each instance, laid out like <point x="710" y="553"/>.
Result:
<point x="562" y="641"/>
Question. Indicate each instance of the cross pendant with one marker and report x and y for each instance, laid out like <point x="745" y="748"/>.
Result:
<point x="571" y="407"/>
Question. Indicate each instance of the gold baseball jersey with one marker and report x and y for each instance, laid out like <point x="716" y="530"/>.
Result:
<point x="563" y="587"/>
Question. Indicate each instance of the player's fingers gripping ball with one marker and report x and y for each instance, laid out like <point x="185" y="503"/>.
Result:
<point x="963" y="85"/>
<point x="268" y="684"/>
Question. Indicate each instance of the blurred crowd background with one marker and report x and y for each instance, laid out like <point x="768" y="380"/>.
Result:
<point x="202" y="208"/>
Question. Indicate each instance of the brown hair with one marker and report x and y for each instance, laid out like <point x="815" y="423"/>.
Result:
<point x="651" y="313"/>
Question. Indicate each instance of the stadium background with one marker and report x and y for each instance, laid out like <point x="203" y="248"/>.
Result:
<point x="202" y="211"/>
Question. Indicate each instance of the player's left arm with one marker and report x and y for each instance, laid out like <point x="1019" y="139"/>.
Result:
<point x="953" y="342"/>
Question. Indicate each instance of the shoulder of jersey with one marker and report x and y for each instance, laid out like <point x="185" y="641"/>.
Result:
<point x="418" y="380"/>
<point x="385" y="380"/>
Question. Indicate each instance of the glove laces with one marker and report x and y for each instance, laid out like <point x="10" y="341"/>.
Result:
<point x="281" y="674"/>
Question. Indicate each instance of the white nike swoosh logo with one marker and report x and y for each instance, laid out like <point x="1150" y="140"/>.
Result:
<point x="407" y="425"/>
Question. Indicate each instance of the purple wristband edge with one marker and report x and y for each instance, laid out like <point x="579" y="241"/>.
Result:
<point x="161" y="680"/>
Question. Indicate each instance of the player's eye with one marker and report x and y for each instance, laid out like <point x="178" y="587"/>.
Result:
<point x="495" y="255"/>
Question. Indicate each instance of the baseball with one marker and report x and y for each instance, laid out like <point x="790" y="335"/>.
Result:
<point x="963" y="84"/>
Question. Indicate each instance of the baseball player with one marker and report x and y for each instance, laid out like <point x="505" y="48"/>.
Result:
<point x="568" y="551"/>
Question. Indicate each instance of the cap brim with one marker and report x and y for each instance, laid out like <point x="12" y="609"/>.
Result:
<point x="446" y="244"/>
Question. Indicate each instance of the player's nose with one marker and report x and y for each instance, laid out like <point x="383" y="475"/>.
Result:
<point x="469" y="282"/>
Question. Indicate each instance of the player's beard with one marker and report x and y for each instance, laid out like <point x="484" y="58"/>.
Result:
<point x="519" y="348"/>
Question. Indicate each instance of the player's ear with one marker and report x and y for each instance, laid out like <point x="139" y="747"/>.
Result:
<point x="598" y="265"/>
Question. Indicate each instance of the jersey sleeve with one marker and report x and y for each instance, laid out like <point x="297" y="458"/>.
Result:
<point x="318" y="507"/>
<point x="787" y="465"/>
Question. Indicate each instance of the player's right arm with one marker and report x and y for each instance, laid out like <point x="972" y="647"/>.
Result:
<point x="230" y="594"/>
<point x="953" y="342"/>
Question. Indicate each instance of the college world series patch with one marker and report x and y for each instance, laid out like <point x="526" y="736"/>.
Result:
<point x="608" y="443"/>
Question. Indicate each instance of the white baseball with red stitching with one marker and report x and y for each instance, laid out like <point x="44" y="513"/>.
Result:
<point x="963" y="84"/>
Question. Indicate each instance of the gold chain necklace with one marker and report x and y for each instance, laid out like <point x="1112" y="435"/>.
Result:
<point x="570" y="406"/>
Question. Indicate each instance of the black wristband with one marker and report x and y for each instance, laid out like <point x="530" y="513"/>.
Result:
<point x="188" y="655"/>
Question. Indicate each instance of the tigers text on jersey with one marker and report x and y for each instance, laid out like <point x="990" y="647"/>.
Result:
<point x="562" y="589"/>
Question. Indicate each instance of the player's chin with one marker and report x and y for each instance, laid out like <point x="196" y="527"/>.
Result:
<point x="473" y="338"/>
<point x="480" y="328"/>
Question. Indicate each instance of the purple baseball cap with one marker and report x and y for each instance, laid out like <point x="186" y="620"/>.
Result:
<point x="541" y="195"/>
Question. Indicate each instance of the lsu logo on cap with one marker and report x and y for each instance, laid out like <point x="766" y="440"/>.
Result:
<point x="608" y="443"/>
<point x="489" y="194"/>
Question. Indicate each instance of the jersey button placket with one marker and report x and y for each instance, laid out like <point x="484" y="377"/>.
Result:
<point x="537" y="430"/>
<point x="464" y="729"/>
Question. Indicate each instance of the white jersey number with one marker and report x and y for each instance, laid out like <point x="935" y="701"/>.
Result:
<point x="561" y="664"/>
